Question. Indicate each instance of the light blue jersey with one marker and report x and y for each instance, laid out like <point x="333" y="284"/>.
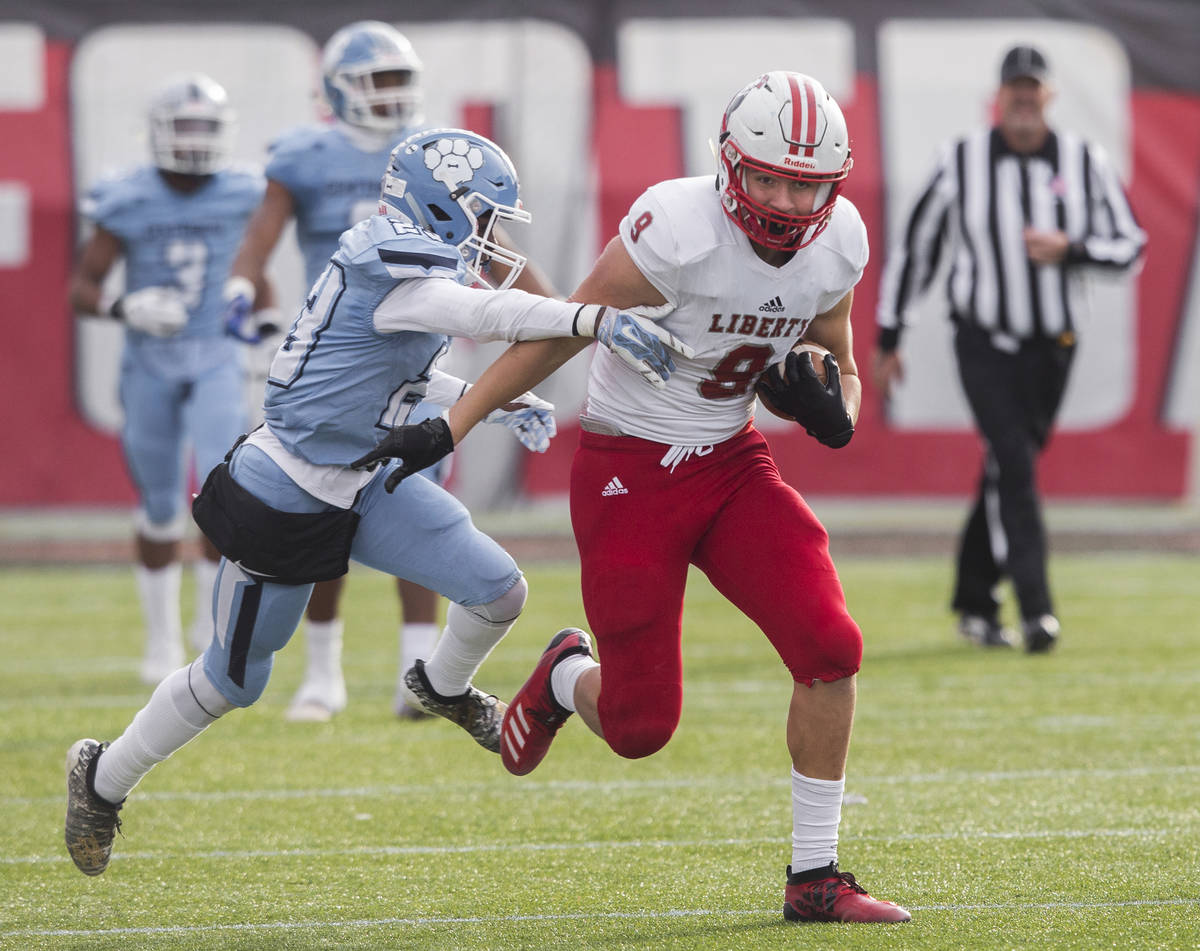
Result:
<point x="185" y="389"/>
<point x="333" y="184"/>
<point x="337" y="384"/>
<point x="178" y="239"/>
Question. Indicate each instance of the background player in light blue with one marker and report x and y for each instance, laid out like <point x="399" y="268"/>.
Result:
<point x="300" y="496"/>
<point x="176" y="223"/>
<point x="327" y="178"/>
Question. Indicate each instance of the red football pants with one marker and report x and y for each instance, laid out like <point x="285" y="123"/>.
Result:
<point x="639" y="525"/>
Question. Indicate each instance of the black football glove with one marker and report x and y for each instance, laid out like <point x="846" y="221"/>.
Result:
<point x="418" y="446"/>
<point x="797" y="391"/>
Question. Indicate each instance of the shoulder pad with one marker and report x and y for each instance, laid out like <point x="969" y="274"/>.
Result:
<point x="399" y="249"/>
<point x="114" y="193"/>
<point x="301" y="138"/>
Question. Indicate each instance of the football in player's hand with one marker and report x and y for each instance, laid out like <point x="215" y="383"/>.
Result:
<point x="808" y="351"/>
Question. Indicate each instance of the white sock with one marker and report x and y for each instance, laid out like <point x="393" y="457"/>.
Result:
<point x="416" y="642"/>
<point x="179" y="710"/>
<point x="464" y="645"/>
<point x="565" y="676"/>
<point x="324" y="644"/>
<point x="205" y="574"/>
<point x="158" y="589"/>
<point x="816" y="813"/>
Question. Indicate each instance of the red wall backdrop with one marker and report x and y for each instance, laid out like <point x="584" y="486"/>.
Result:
<point x="52" y="457"/>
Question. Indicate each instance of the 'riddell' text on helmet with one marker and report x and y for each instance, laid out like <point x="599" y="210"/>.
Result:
<point x="787" y="125"/>
<point x="191" y="126"/>
<point x="373" y="77"/>
<point x="459" y="186"/>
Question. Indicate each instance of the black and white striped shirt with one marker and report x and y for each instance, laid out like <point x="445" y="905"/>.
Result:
<point x="974" y="209"/>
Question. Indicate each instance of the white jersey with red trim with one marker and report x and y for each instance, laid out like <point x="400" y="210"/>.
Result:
<point x="739" y="313"/>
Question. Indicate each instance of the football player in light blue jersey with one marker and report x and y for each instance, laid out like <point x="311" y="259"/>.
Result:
<point x="301" y="495"/>
<point x="177" y="223"/>
<point x="326" y="177"/>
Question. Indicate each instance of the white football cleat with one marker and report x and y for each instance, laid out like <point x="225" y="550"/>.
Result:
<point x="318" y="701"/>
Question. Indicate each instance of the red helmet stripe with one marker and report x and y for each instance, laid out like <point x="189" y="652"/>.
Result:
<point x="810" y="110"/>
<point x="796" y="113"/>
<point x="805" y="115"/>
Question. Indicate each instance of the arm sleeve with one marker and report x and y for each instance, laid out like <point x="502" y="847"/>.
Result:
<point x="438" y="305"/>
<point x="914" y="257"/>
<point x="1114" y="238"/>
<point x="445" y="389"/>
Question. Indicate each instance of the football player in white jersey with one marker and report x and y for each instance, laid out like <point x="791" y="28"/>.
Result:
<point x="176" y="222"/>
<point x="326" y="177"/>
<point x="740" y="273"/>
<point x="305" y="492"/>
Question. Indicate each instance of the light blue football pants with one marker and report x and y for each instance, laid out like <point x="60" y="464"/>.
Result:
<point x="163" y="414"/>
<point x="420" y="532"/>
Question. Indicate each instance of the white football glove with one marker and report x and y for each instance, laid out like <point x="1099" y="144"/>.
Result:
<point x="158" y="311"/>
<point x="241" y="319"/>
<point x="530" y="418"/>
<point x="642" y="344"/>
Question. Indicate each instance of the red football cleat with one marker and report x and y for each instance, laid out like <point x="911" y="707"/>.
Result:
<point x="834" y="896"/>
<point x="534" y="716"/>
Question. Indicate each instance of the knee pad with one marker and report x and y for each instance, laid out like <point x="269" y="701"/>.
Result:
<point x="640" y="720"/>
<point x="846" y="649"/>
<point x="204" y="691"/>
<point x="830" y="651"/>
<point x="483" y="625"/>
<point x="160" y="523"/>
<point x="506" y="608"/>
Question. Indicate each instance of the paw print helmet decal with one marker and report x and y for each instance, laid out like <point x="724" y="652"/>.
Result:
<point x="459" y="186"/>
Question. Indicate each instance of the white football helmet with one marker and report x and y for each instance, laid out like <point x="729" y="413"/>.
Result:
<point x="787" y="125"/>
<point x="373" y="77"/>
<point x="191" y="126"/>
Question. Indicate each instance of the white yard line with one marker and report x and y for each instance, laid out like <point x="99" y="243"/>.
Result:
<point x="532" y="787"/>
<point x="220" y="855"/>
<point x="284" y="926"/>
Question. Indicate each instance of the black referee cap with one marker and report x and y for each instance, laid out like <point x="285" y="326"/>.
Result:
<point x="1022" y="61"/>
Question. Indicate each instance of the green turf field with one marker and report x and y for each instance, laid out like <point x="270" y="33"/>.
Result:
<point x="1008" y="801"/>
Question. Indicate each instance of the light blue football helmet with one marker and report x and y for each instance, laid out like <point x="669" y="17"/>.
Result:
<point x="459" y="186"/>
<point x="352" y="64"/>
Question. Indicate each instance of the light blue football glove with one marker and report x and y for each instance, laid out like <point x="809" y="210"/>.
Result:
<point x="643" y="345"/>
<point x="530" y="418"/>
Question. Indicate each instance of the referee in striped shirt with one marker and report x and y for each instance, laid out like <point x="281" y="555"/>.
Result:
<point x="1013" y="212"/>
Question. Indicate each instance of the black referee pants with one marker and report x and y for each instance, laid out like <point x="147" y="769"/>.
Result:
<point x="1015" y="397"/>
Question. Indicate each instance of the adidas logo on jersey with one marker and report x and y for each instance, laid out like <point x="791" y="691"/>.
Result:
<point x="614" y="487"/>
<point x="773" y="306"/>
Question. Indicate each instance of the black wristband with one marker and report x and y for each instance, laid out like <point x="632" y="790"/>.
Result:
<point x="117" y="309"/>
<point x="889" y="338"/>
<point x="1076" y="253"/>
